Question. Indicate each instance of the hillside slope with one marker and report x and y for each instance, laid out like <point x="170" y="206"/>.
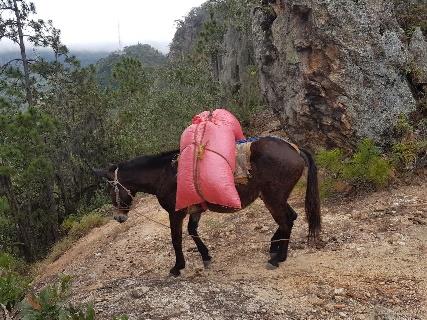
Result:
<point x="371" y="264"/>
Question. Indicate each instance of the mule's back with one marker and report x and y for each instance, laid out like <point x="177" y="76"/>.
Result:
<point x="275" y="160"/>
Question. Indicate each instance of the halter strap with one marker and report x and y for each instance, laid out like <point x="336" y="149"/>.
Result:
<point x="115" y="184"/>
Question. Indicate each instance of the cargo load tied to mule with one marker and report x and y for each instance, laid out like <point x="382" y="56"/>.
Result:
<point x="275" y="166"/>
<point x="207" y="161"/>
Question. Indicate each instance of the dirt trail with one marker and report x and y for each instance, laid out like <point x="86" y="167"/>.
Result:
<point x="372" y="264"/>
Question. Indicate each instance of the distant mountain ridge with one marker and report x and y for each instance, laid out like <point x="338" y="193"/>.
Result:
<point x="104" y="61"/>
<point x="85" y="57"/>
<point x="144" y="53"/>
<point x="91" y="56"/>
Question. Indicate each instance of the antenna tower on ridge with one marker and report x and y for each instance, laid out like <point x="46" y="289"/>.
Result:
<point x="120" y="41"/>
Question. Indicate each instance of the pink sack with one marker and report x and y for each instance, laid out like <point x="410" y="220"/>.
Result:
<point x="207" y="161"/>
<point x="222" y="117"/>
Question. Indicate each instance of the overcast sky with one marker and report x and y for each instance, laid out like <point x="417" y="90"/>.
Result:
<point x="94" y="24"/>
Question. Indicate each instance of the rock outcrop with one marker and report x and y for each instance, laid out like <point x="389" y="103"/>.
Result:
<point x="333" y="71"/>
<point x="418" y="62"/>
<point x="235" y="53"/>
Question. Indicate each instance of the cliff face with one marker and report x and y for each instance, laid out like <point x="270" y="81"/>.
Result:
<point x="235" y="50"/>
<point x="333" y="71"/>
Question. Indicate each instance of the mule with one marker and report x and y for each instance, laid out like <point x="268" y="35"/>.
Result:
<point x="276" y="167"/>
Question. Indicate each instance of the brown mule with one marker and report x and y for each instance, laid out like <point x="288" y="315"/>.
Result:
<point x="275" y="169"/>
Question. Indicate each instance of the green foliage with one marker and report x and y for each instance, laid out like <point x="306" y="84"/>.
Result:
<point x="402" y="126"/>
<point x="75" y="227"/>
<point x="236" y="14"/>
<point x="49" y="304"/>
<point x="13" y="284"/>
<point x="12" y="288"/>
<point x="365" y="167"/>
<point x="146" y="55"/>
<point x="130" y="76"/>
<point x="86" y="224"/>
<point x="210" y="37"/>
<point x="331" y="160"/>
<point x="410" y="147"/>
<point x="26" y="147"/>
<point x="18" y="24"/>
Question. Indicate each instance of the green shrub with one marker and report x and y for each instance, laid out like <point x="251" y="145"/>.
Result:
<point x="405" y="154"/>
<point x="402" y="126"/>
<point x="326" y="187"/>
<point x="12" y="288"/>
<point x="59" y="248"/>
<point x="13" y="285"/>
<point x="367" y="166"/>
<point x="331" y="160"/>
<point x="86" y="224"/>
<point x="76" y="228"/>
<point x="69" y="222"/>
<point x="410" y="147"/>
<point x="50" y="304"/>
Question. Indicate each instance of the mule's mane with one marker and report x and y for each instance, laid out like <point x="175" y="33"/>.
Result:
<point x="150" y="161"/>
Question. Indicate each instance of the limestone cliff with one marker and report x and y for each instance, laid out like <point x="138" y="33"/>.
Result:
<point x="331" y="71"/>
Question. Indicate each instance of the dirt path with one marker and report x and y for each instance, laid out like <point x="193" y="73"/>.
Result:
<point x="372" y="265"/>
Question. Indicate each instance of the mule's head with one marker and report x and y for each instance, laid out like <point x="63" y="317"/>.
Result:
<point x="121" y="194"/>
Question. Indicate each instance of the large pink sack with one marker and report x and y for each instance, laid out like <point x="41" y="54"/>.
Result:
<point x="221" y="117"/>
<point x="207" y="161"/>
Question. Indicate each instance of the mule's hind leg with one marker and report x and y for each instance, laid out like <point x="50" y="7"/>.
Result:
<point x="193" y="223"/>
<point x="176" y="219"/>
<point x="284" y="216"/>
<point x="276" y="246"/>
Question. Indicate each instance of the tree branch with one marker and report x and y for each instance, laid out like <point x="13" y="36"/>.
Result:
<point x="3" y="67"/>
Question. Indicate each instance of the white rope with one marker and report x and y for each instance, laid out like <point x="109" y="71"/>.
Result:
<point x="115" y="184"/>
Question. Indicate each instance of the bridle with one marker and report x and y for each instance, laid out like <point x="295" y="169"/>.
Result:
<point x="115" y="184"/>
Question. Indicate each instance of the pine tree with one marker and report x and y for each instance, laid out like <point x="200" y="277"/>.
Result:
<point x="19" y="26"/>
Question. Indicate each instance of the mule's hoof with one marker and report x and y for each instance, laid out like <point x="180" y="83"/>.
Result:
<point x="273" y="255"/>
<point x="270" y="266"/>
<point x="174" y="272"/>
<point x="207" y="263"/>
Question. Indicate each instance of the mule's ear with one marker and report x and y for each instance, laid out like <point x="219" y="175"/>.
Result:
<point x="102" y="173"/>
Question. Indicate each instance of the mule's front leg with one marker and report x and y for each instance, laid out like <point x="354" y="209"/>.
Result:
<point x="193" y="224"/>
<point x="176" y="219"/>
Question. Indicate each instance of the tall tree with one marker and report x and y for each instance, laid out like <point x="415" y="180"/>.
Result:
<point x="18" y="25"/>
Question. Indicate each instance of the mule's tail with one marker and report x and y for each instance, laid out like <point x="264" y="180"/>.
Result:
<point x="312" y="199"/>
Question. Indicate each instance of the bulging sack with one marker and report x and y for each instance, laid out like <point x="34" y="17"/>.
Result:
<point x="207" y="161"/>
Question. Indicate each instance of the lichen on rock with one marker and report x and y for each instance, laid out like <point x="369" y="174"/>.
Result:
<point x="338" y="69"/>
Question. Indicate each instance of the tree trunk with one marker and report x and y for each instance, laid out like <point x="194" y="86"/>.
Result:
<point x="6" y="190"/>
<point x="27" y="82"/>
<point x="215" y="66"/>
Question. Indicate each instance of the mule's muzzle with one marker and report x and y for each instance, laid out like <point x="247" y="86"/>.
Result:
<point x="120" y="218"/>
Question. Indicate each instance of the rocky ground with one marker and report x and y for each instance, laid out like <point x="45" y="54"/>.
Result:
<point x="371" y="264"/>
